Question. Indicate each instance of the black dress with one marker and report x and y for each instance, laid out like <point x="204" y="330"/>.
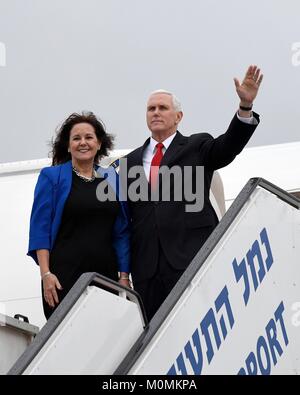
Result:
<point x="84" y="240"/>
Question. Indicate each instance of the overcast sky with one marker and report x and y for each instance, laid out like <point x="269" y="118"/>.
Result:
<point x="61" y="56"/>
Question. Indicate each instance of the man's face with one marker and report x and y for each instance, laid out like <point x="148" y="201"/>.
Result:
<point x="162" y="118"/>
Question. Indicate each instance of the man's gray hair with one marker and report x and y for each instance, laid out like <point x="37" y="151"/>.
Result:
<point x="176" y="103"/>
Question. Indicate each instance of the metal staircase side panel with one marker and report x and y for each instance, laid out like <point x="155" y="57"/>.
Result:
<point x="240" y="314"/>
<point x="92" y="339"/>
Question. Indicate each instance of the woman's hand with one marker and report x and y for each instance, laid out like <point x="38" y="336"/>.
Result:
<point x="125" y="283"/>
<point x="124" y="280"/>
<point x="50" y="285"/>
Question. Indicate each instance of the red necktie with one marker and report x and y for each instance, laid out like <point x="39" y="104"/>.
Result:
<point x="154" y="169"/>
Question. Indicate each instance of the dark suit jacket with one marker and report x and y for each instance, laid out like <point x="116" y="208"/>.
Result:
<point x="181" y="234"/>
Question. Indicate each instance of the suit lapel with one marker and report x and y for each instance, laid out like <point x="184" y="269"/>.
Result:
<point x="141" y="151"/>
<point x="137" y="158"/>
<point x="174" y="149"/>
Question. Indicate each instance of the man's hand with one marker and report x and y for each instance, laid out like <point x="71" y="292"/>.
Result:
<point x="248" y="89"/>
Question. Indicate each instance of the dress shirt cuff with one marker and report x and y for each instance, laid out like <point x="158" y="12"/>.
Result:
<point x="250" y="121"/>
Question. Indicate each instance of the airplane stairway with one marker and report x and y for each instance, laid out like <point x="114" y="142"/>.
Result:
<point x="236" y="309"/>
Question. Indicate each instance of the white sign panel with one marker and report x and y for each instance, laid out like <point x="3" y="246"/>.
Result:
<point x="241" y="313"/>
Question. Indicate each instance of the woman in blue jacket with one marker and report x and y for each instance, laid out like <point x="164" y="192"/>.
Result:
<point x="73" y="229"/>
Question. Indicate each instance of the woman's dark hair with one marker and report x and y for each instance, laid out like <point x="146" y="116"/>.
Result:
<point x="60" y="145"/>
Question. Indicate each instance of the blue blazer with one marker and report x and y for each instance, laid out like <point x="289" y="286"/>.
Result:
<point x="51" y="192"/>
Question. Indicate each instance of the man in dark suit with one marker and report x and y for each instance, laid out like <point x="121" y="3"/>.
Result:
<point x="165" y="235"/>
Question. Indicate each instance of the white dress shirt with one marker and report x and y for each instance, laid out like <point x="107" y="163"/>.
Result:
<point x="150" y="151"/>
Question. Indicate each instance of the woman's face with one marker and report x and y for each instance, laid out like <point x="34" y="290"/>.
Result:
<point x="83" y="143"/>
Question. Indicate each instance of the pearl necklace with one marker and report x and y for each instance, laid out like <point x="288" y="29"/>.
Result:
<point x="84" y="178"/>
